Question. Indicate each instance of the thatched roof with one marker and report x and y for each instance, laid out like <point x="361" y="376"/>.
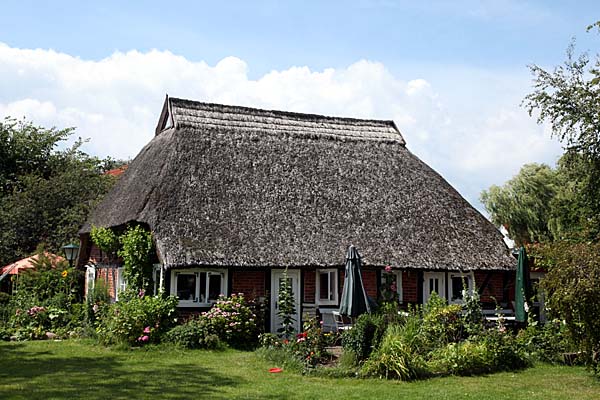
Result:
<point x="236" y="186"/>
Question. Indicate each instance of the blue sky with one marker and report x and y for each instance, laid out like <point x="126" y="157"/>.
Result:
<point x="451" y="74"/>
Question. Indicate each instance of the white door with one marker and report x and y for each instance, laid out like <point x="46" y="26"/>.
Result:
<point x="276" y="280"/>
<point x="433" y="282"/>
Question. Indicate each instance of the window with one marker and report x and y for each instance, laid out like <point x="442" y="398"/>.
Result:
<point x="90" y="279"/>
<point x="121" y="283"/>
<point x="394" y="280"/>
<point x="198" y="288"/>
<point x="458" y="282"/>
<point x="327" y="286"/>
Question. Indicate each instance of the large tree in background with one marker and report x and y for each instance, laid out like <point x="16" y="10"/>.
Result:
<point x="45" y="193"/>
<point x="543" y="204"/>
<point x="568" y="97"/>
<point x="522" y="204"/>
<point x="560" y="208"/>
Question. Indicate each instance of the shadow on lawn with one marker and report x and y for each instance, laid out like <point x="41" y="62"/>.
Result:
<point x="26" y="374"/>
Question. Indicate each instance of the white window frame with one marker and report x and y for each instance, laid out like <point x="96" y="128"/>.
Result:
<point x="90" y="279"/>
<point x="158" y="278"/>
<point x="197" y="301"/>
<point x="469" y="279"/>
<point x="121" y="283"/>
<point x="398" y="275"/>
<point x="333" y="284"/>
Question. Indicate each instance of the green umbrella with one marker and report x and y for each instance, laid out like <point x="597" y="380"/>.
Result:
<point x="354" y="298"/>
<point x="522" y="286"/>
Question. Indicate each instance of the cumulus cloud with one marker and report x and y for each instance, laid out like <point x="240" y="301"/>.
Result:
<point x="116" y="102"/>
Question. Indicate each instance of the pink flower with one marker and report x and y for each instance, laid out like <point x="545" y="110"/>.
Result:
<point x="141" y="293"/>
<point x="393" y="287"/>
<point x="388" y="269"/>
<point x="145" y="338"/>
<point x="147" y="329"/>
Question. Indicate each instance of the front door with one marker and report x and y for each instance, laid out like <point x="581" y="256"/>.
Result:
<point x="433" y="282"/>
<point x="276" y="280"/>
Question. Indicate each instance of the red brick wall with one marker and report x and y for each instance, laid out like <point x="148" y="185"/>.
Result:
<point x="309" y="286"/>
<point x="370" y="282"/>
<point x="409" y="286"/>
<point x="495" y="286"/>
<point x="96" y="256"/>
<point x="250" y="283"/>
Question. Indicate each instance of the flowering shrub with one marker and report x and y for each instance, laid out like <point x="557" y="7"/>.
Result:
<point x="46" y="301"/>
<point x="232" y="320"/>
<point x="138" y="321"/>
<point x="307" y="349"/>
<point x="389" y="288"/>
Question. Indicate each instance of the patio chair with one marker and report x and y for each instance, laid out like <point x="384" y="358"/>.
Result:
<point x="341" y="323"/>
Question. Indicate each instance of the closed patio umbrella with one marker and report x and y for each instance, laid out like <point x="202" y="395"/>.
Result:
<point x="522" y="286"/>
<point x="354" y="298"/>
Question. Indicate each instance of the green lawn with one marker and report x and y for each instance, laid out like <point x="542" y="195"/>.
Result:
<point x="74" y="369"/>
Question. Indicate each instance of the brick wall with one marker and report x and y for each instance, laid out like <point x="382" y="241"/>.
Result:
<point x="409" y="286"/>
<point x="309" y="286"/>
<point x="250" y="283"/>
<point x="498" y="283"/>
<point x="369" y="278"/>
<point x="110" y="279"/>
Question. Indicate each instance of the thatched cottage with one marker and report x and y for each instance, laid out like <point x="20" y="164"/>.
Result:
<point x="233" y="195"/>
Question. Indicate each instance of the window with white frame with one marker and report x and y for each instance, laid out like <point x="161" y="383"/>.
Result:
<point x="327" y="286"/>
<point x="198" y="288"/>
<point x="90" y="279"/>
<point x="458" y="283"/>
<point x="121" y="283"/>
<point x="394" y="280"/>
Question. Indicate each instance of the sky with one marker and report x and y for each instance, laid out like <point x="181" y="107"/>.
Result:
<point x="451" y="74"/>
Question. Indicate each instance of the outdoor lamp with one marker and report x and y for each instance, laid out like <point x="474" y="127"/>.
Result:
<point x="71" y="250"/>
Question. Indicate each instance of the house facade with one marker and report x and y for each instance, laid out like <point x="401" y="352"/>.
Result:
<point x="234" y="196"/>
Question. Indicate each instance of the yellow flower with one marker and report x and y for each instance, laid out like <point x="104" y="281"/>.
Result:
<point x="64" y="273"/>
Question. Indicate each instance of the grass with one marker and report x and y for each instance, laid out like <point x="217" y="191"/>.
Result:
<point x="79" y="369"/>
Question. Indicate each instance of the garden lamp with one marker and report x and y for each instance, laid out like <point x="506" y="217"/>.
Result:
<point x="71" y="251"/>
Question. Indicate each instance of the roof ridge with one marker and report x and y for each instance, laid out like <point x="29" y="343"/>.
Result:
<point x="298" y="115"/>
<point x="195" y="113"/>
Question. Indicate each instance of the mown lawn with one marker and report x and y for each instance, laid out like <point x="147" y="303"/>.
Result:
<point x="81" y="370"/>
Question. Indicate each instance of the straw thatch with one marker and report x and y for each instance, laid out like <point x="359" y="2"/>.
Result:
<point x="235" y="186"/>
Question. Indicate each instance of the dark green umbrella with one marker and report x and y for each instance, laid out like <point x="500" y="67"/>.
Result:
<point x="354" y="299"/>
<point x="522" y="286"/>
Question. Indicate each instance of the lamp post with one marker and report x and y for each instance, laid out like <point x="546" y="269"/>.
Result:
<point x="71" y="251"/>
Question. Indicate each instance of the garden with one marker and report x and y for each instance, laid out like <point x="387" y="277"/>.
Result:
<point x="225" y="348"/>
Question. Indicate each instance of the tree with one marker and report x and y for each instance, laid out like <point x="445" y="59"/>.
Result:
<point x="45" y="193"/>
<point x="522" y="204"/>
<point x="569" y="98"/>
<point x="571" y="286"/>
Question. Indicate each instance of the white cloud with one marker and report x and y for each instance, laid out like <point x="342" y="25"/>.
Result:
<point x="474" y="138"/>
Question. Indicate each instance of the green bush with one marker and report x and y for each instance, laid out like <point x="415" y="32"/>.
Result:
<point x="193" y="335"/>
<point x="464" y="358"/>
<point x="396" y="358"/>
<point x="364" y="336"/>
<point x="442" y="323"/>
<point x="546" y="342"/>
<point x="504" y="353"/>
<point x="141" y="320"/>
